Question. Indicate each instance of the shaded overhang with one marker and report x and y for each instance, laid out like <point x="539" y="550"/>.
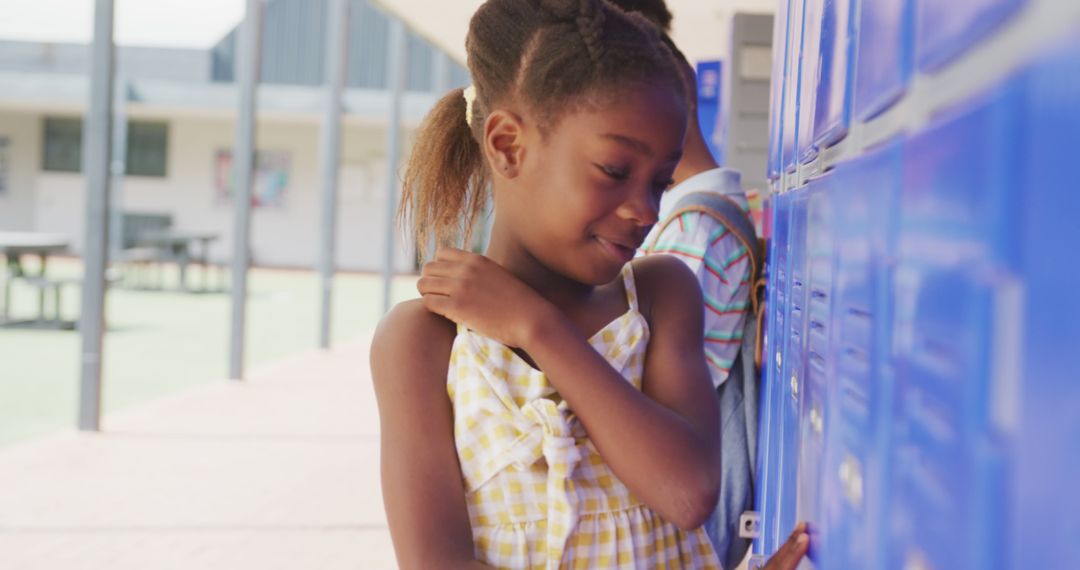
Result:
<point x="701" y="27"/>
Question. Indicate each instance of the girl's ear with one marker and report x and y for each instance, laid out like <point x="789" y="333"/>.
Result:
<point x="504" y="143"/>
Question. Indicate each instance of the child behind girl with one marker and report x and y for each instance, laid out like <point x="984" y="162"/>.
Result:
<point x="542" y="405"/>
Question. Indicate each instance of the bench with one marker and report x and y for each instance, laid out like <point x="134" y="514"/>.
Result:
<point x="51" y="289"/>
<point x="134" y="255"/>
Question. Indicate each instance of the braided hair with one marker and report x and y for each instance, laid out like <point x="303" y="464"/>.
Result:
<point x="549" y="57"/>
<point x="655" y="11"/>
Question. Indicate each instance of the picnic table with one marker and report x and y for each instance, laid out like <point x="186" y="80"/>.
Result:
<point x="179" y="245"/>
<point x="14" y="245"/>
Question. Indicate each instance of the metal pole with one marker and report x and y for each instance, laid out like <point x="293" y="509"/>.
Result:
<point x="243" y="166"/>
<point x="96" y="149"/>
<point x="337" y="45"/>
<point x="119" y="167"/>
<point x="440" y="84"/>
<point x="397" y="63"/>
<point x="440" y="73"/>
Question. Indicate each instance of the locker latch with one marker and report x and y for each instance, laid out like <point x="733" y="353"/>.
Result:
<point x="756" y="562"/>
<point x="750" y="525"/>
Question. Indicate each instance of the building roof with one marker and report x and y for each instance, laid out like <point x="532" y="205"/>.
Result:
<point x="152" y="23"/>
<point x="51" y="75"/>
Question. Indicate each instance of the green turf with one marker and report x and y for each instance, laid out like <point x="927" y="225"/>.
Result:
<point x="163" y="342"/>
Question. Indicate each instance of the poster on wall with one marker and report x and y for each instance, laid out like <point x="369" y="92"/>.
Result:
<point x="5" y="164"/>
<point x="271" y="177"/>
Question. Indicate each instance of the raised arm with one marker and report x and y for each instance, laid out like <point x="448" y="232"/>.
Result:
<point x="421" y="479"/>
<point x="663" y="443"/>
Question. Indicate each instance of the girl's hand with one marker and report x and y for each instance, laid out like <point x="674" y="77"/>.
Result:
<point x="475" y="291"/>
<point x="791" y="553"/>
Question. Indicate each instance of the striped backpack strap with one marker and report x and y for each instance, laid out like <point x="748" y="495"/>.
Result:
<point x="730" y="215"/>
<point x="728" y="212"/>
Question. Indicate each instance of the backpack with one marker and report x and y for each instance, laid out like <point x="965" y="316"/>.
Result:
<point x="739" y="394"/>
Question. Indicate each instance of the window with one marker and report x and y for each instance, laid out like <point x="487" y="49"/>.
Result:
<point x="63" y="145"/>
<point x="147" y="148"/>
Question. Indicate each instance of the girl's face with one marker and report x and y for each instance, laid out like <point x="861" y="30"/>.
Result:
<point x="589" y="192"/>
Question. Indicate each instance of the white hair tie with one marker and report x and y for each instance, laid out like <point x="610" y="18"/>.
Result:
<point x="470" y="97"/>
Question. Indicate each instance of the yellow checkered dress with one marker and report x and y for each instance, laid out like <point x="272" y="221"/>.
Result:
<point x="539" y="494"/>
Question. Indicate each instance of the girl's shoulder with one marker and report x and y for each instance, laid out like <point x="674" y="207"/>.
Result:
<point x="412" y="343"/>
<point x="665" y="285"/>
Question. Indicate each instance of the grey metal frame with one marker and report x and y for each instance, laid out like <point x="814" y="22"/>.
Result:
<point x="118" y="169"/>
<point x="337" y="45"/>
<point x="243" y="176"/>
<point x="97" y="149"/>
<point x="397" y="57"/>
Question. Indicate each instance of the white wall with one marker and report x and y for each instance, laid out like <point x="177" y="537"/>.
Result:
<point x="281" y="236"/>
<point x="702" y="29"/>
<point x="24" y="160"/>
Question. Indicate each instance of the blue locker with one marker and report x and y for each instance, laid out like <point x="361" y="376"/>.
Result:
<point x="832" y="109"/>
<point x="863" y="196"/>
<point x="947" y="28"/>
<point x="810" y="68"/>
<point x="765" y="417"/>
<point x="942" y="456"/>
<point x="769" y="441"/>
<point x="952" y="248"/>
<point x="819" y="366"/>
<point x="883" y="64"/>
<point x="793" y="372"/>
<point x="776" y="87"/>
<point x="1046" y="458"/>
<point x="789" y="132"/>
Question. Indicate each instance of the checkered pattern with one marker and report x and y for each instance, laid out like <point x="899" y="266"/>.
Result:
<point x="539" y="494"/>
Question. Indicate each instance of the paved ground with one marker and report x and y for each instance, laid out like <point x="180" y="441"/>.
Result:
<point x="279" y="472"/>
<point x="160" y="343"/>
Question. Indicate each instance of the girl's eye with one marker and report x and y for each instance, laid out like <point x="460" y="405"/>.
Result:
<point x="613" y="172"/>
<point x="662" y="185"/>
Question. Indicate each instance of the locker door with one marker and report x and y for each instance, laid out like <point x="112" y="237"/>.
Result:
<point x="1046" y="459"/>
<point x="808" y="84"/>
<point x="832" y="109"/>
<point x="946" y="28"/>
<point x="778" y="85"/>
<point x="793" y="370"/>
<point x="884" y="55"/>
<point x="819" y="369"/>
<point x="859" y="399"/>
<point x="770" y="438"/>
<point x="952" y="253"/>
<point x="792" y="73"/>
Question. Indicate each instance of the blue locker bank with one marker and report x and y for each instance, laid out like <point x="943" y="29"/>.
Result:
<point x="921" y="396"/>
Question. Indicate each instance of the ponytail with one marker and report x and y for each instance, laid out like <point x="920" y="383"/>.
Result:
<point x="446" y="179"/>
<point x="543" y="55"/>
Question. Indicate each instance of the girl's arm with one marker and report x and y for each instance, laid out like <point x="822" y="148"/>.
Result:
<point x="663" y="444"/>
<point x="421" y="479"/>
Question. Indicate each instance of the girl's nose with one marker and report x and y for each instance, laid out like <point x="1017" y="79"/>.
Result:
<point x="642" y="207"/>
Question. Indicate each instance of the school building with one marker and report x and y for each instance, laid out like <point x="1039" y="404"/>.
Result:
<point x="179" y="106"/>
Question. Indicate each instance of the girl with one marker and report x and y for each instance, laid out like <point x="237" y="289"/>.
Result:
<point x="542" y="406"/>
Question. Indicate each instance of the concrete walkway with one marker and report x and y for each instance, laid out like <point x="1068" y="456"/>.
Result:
<point x="278" y="472"/>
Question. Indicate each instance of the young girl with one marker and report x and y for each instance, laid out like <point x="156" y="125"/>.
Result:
<point x="543" y="406"/>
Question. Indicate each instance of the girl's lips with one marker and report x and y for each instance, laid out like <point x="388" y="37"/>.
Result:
<point x="619" y="252"/>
